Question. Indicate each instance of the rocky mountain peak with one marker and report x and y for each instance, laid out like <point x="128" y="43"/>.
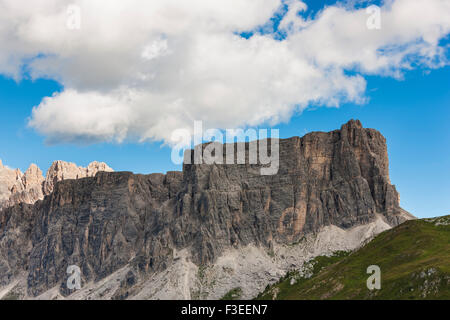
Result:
<point x="32" y="177"/>
<point x="95" y="167"/>
<point x="332" y="186"/>
<point x="353" y="123"/>
<point x="31" y="186"/>
<point x="61" y="170"/>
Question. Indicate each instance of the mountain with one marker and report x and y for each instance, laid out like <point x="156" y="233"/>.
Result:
<point x="205" y="231"/>
<point x="414" y="260"/>
<point x="16" y="187"/>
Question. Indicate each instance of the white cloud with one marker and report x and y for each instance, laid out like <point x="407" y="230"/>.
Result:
<point x="292" y="19"/>
<point x="139" y="70"/>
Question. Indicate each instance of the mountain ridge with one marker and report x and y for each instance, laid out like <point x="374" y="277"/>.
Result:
<point x="17" y="187"/>
<point x="334" y="183"/>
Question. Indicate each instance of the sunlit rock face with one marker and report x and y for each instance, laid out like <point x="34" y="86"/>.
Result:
<point x="61" y="170"/>
<point x="17" y="187"/>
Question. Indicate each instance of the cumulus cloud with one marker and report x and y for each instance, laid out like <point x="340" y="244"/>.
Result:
<point x="139" y="70"/>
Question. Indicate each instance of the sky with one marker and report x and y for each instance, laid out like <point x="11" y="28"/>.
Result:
<point x="111" y="87"/>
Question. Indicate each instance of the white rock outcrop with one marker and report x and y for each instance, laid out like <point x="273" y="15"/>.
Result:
<point x="61" y="170"/>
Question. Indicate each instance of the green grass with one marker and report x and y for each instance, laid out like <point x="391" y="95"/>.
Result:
<point x="414" y="259"/>
<point x="233" y="294"/>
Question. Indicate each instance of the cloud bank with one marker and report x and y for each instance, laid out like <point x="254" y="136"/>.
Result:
<point x="138" y="70"/>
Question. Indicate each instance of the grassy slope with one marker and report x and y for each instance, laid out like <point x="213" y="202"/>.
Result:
<point x="414" y="259"/>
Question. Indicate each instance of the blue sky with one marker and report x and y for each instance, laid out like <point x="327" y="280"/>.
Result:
<point x="412" y="113"/>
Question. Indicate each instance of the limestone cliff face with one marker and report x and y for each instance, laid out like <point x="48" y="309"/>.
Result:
<point x="9" y="179"/>
<point x="113" y="220"/>
<point x="61" y="170"/>
<point x="16" y="187"/>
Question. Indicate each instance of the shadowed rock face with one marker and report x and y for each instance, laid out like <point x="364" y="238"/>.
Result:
<point x="113" y="219"/>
